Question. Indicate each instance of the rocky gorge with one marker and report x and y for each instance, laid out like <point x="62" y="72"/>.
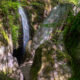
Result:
<point x="39" y="40"/>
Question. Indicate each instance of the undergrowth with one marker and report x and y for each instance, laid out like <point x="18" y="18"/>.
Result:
<point x="71" y="40"/>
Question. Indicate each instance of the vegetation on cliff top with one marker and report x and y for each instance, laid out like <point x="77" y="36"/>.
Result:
<point x="10" y="18"/>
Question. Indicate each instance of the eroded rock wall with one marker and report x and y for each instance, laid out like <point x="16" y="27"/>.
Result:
<point x="51" y="60"/>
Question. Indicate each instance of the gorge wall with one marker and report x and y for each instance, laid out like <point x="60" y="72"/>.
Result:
<point x="54" y="45"/>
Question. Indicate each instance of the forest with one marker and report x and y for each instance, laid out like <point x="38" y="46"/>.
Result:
<point x="39" y="39"/>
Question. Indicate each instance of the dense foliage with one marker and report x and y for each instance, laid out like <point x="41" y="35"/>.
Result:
<point x="10" y="20"/>
<point x="72" y="32"/>
<point x="71" y="40"/>
<point x="5" y="77"/>
<point x="71" y="1"/>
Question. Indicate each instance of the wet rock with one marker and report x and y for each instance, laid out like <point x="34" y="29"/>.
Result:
<point x="50" y="64"/>
<point x="51" y="59"/>
<point x="56" y="19"/>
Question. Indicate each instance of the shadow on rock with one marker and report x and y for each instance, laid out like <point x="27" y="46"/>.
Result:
<point x="18" y="53"/>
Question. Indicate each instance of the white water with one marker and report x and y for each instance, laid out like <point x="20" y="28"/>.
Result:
<point x="25" y="27"/>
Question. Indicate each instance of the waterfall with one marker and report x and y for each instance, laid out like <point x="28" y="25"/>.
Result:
<point x="25" y="26"/>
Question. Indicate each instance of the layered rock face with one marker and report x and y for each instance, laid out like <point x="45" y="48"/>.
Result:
<point x="51" y="60"/>
<point x="6" y="48"/>
<point x="38" y="10"/>
<point x="50" y="63"/>
<point x="56" y="19"/>
<point x="8" y="64"/>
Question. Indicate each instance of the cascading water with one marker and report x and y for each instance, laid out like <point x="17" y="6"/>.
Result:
<point x="25" y="27"/>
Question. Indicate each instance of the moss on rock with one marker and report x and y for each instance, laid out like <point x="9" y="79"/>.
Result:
<point x="4" y="76"/>
<point x="37" y="64"/>
<point x="72" y="43"/>
<point x="42" y="54"/>
<point x="72" y="35"/>
<point x="45" y="61"/>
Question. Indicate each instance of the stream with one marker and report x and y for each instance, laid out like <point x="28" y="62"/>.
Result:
<point x="25" y="26"/>
<point x="25" y="67"/>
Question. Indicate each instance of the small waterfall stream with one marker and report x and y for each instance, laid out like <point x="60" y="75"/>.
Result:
<point x="25" y="26"/>
<point x="19" y="53"/>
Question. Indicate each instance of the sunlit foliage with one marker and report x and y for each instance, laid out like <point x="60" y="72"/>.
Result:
<point x="70" y="1"/>
<point x="10" y="17"/>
